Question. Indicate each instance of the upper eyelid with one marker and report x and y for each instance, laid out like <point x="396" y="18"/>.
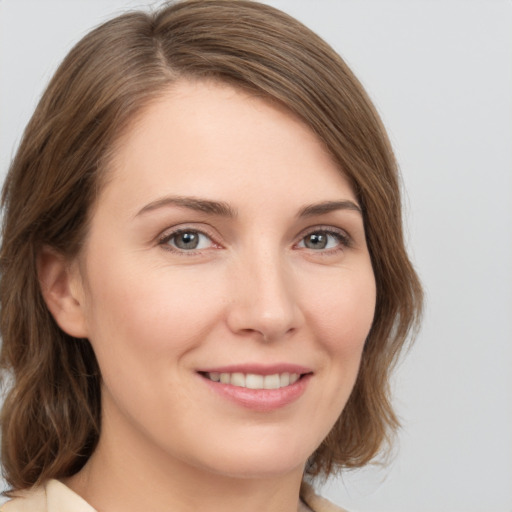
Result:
<point x="168" y="233"/>
<point x="326" y="229"/>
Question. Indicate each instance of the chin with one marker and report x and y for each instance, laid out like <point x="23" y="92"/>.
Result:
<point x="259" y="470"/>
<point x="259" y="461"/>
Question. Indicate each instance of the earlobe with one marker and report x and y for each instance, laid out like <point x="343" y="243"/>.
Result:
<point x="62" y="290"/>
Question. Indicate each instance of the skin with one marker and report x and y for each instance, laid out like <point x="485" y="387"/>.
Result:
<point x="256" y="290"/>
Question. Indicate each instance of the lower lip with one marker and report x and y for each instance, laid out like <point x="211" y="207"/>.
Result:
<point x="263" y="400"/>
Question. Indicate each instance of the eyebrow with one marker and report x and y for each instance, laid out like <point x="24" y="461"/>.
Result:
<point x="328" y="207"/>
<point x="193" y="203"/>
<point x="223" y="209"/>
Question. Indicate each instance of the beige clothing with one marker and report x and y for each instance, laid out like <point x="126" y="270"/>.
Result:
<point x="54" y="496"/>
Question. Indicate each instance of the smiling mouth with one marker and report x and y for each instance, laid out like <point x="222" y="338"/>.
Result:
<point x="253" y="380"/>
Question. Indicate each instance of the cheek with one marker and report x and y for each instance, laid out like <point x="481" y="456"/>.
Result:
<point x="154" y="314"/>
<point x="340" y="315"/>
<point x="143" y="326"/>
<point x="342" y="312"/>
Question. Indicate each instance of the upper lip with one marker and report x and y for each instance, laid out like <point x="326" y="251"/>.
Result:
<point x="258" y="369"/>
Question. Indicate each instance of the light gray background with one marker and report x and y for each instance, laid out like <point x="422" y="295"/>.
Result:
<point x="440" y="73"/>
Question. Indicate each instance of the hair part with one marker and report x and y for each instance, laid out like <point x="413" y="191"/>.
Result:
<point x="51" y="417"/>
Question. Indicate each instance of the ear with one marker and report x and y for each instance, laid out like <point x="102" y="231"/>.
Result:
<point x="62" y="289"/>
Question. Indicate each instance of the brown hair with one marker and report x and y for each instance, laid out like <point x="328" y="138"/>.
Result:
<point x="51" y="415"/>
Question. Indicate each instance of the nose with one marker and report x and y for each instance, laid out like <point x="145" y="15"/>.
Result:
<point x="264" y="301"/>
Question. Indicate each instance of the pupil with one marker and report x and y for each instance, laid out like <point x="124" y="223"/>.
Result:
<point x="316" y="241"/>
<point x="187" y="241"/>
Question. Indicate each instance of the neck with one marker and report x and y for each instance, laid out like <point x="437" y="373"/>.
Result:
<point x="123" y="477"/>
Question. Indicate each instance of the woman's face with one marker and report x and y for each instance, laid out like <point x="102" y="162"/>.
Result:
<point x="225" y="285"/>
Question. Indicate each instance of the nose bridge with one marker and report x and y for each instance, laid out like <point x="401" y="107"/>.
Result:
<point x="265" y="301"/>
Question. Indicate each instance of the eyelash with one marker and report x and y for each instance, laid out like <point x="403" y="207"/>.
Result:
<point x="342" y="237"/>
<point x="166" y="238"/>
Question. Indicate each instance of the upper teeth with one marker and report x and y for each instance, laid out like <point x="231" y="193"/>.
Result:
<point x="255" y="381"/>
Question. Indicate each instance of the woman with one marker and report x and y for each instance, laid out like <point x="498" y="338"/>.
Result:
<point x="204" y="282"/>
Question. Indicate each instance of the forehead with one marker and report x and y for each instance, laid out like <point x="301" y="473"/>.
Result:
<point x="215" y="138"/>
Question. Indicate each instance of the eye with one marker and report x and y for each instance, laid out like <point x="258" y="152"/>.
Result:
<point x="187" y="240"/>
<point x="322" y="240"/>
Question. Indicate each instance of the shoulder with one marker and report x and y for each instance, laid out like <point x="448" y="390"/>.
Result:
<point x="315" y="502"/>
<point x="31" y="500"/>
<point x="53" y="496"/>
